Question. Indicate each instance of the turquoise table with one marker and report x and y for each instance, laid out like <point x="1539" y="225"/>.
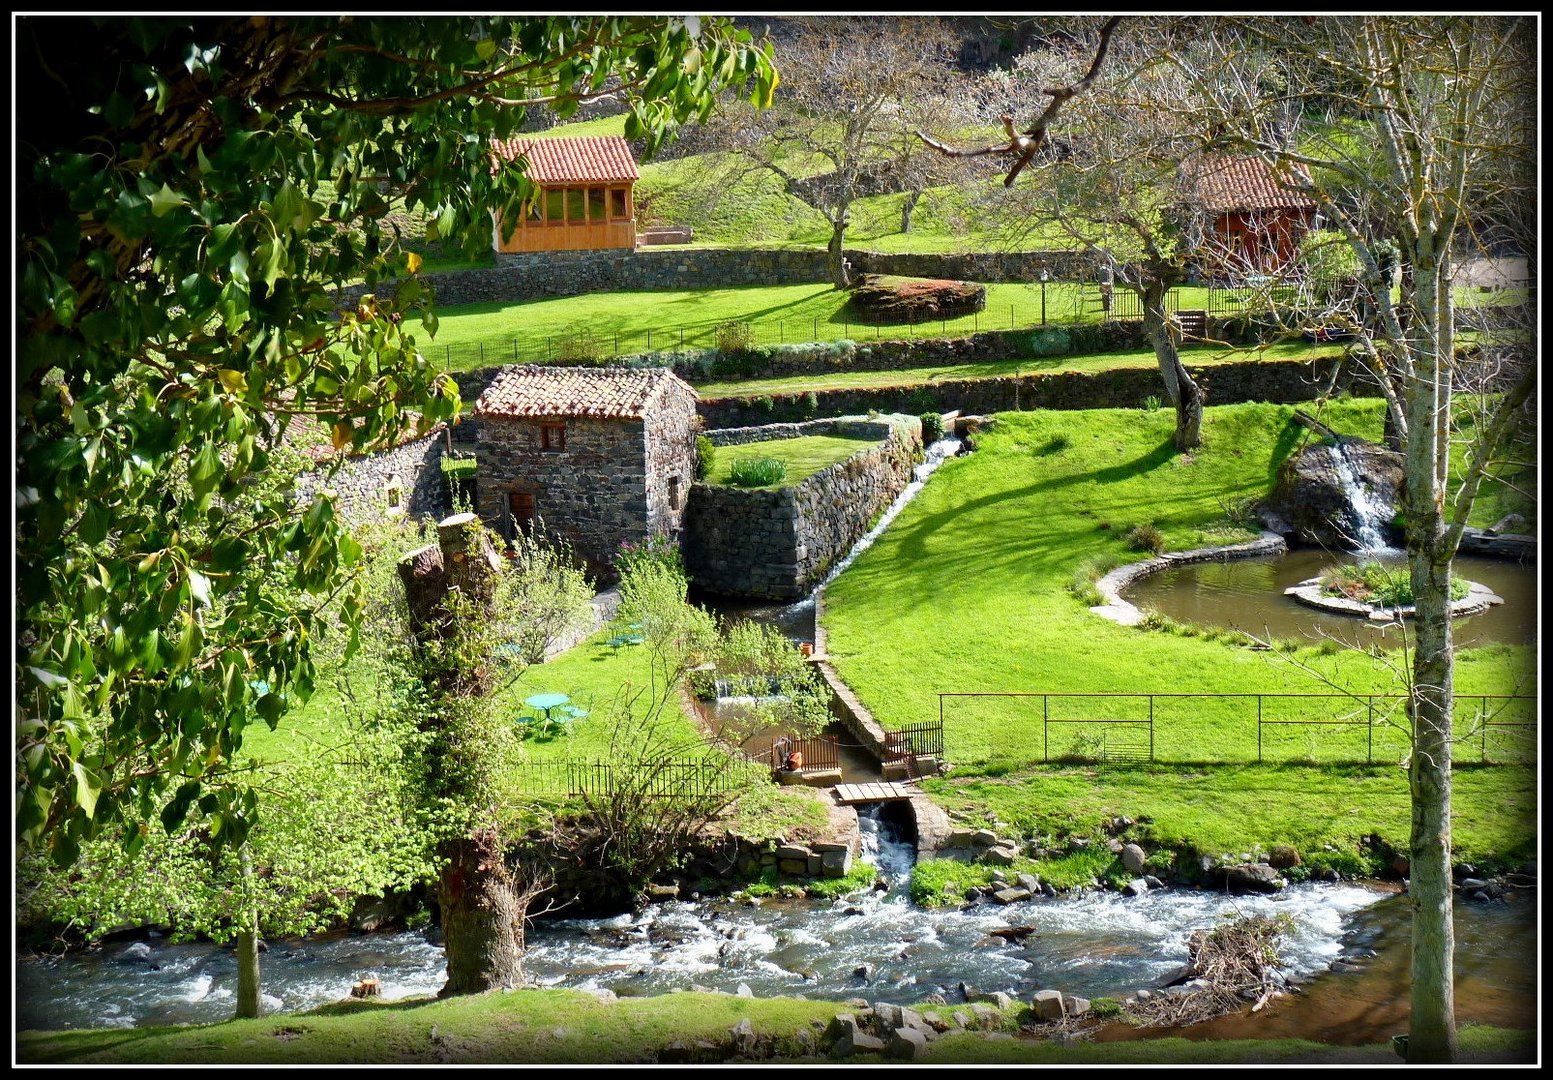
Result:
<point x="547" y="704"/>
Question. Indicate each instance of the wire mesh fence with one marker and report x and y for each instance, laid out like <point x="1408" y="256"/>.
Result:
<point x="1494" y="729"/>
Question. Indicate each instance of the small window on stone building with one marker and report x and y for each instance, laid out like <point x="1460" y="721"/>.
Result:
<point x="676" y="493"/>
<point x="552" y="436"/>
<point x="393" y="491"/>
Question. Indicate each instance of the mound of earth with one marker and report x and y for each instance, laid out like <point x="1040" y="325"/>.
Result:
<point x="903" y="299"/>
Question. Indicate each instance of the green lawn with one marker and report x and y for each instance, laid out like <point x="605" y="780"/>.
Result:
<point x="967" y="592"/>
<point x="574" y="1027"/>
<point x="803" y="456"/>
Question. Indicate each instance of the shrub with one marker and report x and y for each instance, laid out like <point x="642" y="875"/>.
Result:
<point x="1104" y="1008"/>
<point x="1151" y="403"/>
<point x="932" y="427"/>
<point x="1145" y="538"/>
<point x="582" y="349"/>
<point x="810" y="404"/>
<point x="765" y="403"/>
<point x="1050" y="342"/>
<point x="757" y="472"/>
<point x="734" y="336"/>
<point x="1378" y="583"/>
<point x="657" y="548"/>
<point x="706" y="457"/>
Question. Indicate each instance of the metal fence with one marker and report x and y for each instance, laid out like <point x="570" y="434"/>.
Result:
<point x="915" y="740"/>
<point x="1225" y="728"/>
<point x="649" y="779"/>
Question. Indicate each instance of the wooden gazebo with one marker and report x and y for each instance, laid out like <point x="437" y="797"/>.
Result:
<point x="584" y="202"/>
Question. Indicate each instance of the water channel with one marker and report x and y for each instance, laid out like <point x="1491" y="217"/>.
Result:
<point x="1091" y="943"/>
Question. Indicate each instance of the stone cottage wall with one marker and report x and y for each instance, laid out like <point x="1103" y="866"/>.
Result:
<point x="780" y="544"/>
<point x="671" y="459"/>
<point x="361" y="484"/>
<point x="592" y="494"/>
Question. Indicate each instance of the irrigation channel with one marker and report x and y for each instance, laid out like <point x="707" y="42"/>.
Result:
<point x="1092" y="943"/>
<point x="1247" y="595"/>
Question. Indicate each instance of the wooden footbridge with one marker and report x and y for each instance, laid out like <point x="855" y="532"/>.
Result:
<point x="849" y="794"/>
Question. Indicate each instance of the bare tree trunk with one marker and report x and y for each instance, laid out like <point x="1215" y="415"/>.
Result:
<point x="247" y="945"/>
<point x="482" y="907"/>
<point x="1432" y="1031"/>
<point x="482" y="917"/>
<point x="833" y="254"/>
<point x="907" y="207"/>
<point x="1181" y="391"/>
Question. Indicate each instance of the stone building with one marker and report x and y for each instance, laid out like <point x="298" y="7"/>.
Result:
<point x="599" y="455"/>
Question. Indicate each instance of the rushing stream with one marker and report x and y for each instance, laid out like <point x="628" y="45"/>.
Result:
<point x="1090" y="944"/>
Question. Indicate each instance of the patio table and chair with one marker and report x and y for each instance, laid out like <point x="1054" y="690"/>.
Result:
<point x="553" y="712"/>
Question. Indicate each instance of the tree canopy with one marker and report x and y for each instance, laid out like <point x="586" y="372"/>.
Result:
<point x="190" y="203"/>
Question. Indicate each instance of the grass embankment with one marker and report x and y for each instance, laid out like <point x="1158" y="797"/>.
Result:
<point x="803" y="456"/>
<point x="968" y="591"/>
<point x="1195" y="356"/>
<point x="572" y="1027"/>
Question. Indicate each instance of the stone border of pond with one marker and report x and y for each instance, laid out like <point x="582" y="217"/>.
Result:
<point x="1121" y="611"/>
<point x="1479" y="599"/>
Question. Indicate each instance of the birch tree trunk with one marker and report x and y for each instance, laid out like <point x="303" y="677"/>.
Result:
<point x="247" y="945"/>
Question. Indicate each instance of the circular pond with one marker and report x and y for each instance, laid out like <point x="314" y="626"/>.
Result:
<point x="1247" y="594"/>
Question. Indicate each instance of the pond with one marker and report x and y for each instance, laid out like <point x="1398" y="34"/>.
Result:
<point x="1247" y="594"/>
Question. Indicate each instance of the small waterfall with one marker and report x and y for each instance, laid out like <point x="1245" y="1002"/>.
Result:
<point x="883" y="849"/>
<point x="935" y="456"/>
<point x="1370" y="517"/>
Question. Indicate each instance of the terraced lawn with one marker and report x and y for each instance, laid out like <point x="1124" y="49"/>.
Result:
<point x="803" y="456"/>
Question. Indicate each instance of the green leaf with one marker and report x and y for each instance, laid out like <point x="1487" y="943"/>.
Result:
<point x="87" y="785"/>
<point x="199" y="587"/>
<point x="166" y="200"/>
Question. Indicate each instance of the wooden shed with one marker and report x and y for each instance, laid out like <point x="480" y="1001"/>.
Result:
<point x="585" y="200"/>
<point x="1256" y="219"/>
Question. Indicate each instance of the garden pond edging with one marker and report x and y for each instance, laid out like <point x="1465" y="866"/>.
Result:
<point x="1120" y="611"/>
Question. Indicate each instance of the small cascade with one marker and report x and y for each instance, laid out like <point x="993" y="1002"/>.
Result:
<point x="1369" y="516"/>
<point x="883" y="848"/>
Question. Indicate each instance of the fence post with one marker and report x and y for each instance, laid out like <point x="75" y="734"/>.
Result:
<point x="1369" y="751"/>
<point x="816" y="329"/>
<point x="1046" y="752"/>
<point x="617" y="342"/>
<point x="781" y="332"/>
<point x="1151" y="727"/>
<point x="1483" y="743"/>
<point x="482" y="352"/>
<point x="1259" y="729"/>
<point x="682" y="338"/>
<point x="447" y="355"/>
<point x="514" y="350"/>
<point x="1011" y="316"/>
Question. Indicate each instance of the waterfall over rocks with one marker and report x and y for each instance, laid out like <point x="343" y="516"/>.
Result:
<point x="1341" y="495"/>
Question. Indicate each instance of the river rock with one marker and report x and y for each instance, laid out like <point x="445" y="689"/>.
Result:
<point x="795" y="867"/>
<point x="984" y="838"/>
<point x="1153" y="882"/>
<point x="859" y="1042"/>
<point x="1312" y="497"/>
<point x="985" y="1014"/>
<point x="936" y="1022"/>
<point x="1132" y="858"/>
<point x="742" y="1034"/>
<point x="1136" y="887"/>
<point x="1011" y="896"/>
<point x="1400" y="866"/>
<point x="138" y="951"/>
<point x="1473" y="883"/>
<point x="865" y="972"/>
<point x="1252" y="877"/>
<point x="836" y="864"/>
<point x="744" y="991"/>
<point x="1048" y="1005"/>
<point x="1282" y="857"/>
<point x="907" y="1043"/>
<point x="1001" y="856"/>
<point x="1029" y="881"/>
<point x="663" y="892"/>
<point x="1074" y="1006"/>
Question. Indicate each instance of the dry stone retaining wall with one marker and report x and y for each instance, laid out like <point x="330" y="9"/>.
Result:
<point x="362" y="484"/>
<point x="779" y="544"/>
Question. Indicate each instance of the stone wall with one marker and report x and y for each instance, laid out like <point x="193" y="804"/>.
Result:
<point x="613" y="482"/>
<point x="363" y="483"/>
<point x="780" y="544"/>
<point x="528" y="275"/>
<point x="1282" y="382"/>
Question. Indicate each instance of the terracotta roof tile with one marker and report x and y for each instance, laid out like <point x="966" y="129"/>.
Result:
<point x="1227" y="183"/>
<point x="538" y="391"/>
<point x="592" y="159"/>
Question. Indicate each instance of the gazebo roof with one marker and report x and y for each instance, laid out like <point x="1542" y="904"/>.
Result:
<point x="598" y="159"/>
<point x="1227" y="182"/>
<point x="536" y="391"/>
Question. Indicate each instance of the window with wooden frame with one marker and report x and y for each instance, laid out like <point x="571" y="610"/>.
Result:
<point x="552" y="436"/>
<point x="555" y="206"/>
<point x="576" y="210"/>
<point x="617" y="203"/>
<point x="595" y="204"/>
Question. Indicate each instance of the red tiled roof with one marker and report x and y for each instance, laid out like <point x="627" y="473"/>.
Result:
<point x="537" y="391"/>
<point x="578" y="160"/>
<point x="1226" y="183"/>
